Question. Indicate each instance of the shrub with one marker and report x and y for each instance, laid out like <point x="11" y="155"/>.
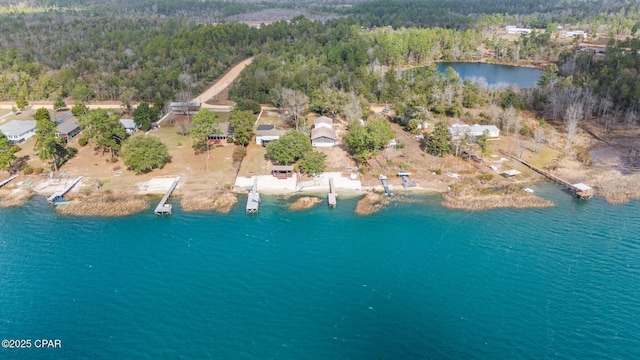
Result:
<point x="38" y="170"/>
<point x="27" y="169"/>
<point x="83" y="141"/>
<point x="400" y="145"/>
<point x="14" y="149"/>
<point x="583" y="155"/>
<point x="485" y="177"/>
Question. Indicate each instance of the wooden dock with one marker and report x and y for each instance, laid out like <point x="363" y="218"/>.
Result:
<point x="385" y="185"/>
<point x="57" y="196"/>
<point x="579" y="190"/>
<point x="405" y="180"/>
<point x="5" y="182"/>
<point x="163" y="208"/>
<point x="332" y="197"/>
<point x="253" y="200"/>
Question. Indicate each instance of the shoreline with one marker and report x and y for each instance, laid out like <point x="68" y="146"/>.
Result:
<point x="88" y="199"/>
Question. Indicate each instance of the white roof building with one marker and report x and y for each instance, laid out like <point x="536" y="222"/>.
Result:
<point x="516" y="30"/>
<point x="18" y="131"/>
<point x="575" y="33"/>
<point x="460" y="130"/>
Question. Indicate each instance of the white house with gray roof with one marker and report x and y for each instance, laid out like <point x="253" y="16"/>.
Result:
<point x="460" y="130"/>
<point x="18" y="131"/>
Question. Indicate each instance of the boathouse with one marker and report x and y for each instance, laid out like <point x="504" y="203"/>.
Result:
<point x="282" y="171"/>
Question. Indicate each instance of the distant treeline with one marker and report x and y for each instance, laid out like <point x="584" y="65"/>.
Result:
<point x="463" y="14"/>
<point x="154" y="57"/>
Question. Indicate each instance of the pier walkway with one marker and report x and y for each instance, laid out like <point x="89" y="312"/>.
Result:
<point x="387" y="190"/>
<point x="332" y="194"/>
<point x="253" y="200"/>
<point x="5" y="182"/>
<point x="580" y="190"/>
<point x="163" y="208"/>
<point x="405" y="180"/>
<point x="59" y="195"/>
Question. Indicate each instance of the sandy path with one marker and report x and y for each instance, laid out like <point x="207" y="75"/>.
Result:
<point x="223" y="83"/>
<point x="209" y="93"/>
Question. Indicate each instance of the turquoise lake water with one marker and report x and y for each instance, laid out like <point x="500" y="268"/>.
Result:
<point x="414" y="281"/>
<point x="494" y="76"/>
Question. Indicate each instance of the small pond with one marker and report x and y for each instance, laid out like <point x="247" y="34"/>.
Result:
<point x="494" y="76"/>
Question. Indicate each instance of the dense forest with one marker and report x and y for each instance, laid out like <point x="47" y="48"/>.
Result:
<point x="159" y="51"/>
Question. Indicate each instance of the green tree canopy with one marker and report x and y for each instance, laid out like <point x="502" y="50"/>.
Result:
<point x="48" y="145"/>
<point x="313" y="162"/>
<point x="6" y="155"/>
<point x="59" y="103"/>
<point x="242" y="124"/>
<point x="142" y="154"/>
<point x="42" y="114"/>
<point x="142" y="116"/>
<point x="290" y="148"/>
<point x="204" y="123"/>
<point x="439" y="142"/>
<point x="83" y="93"/>
<point x="104" y="126"/>
<point x="363" y="140"/>
<point x="79" y="109"/>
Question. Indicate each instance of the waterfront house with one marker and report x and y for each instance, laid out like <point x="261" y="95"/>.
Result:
<point x="68" y="129"/>
<point x="267" y="133"/>
<point x="59" y="119"/>
<point x="458" y="131"/>
<point x="129" y="125"/>
<point x="323" y="121"/>
<point x="323" y="137"/>
<point x="18" y="131"/>
<point x="224" y="134"/>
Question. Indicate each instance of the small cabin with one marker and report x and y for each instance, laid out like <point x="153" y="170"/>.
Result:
<point x="282" y="171"/>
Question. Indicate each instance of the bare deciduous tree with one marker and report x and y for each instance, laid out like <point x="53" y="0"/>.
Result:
<point x="538" y="138"/>
<point x="297" y="103"/>
<point x="571" y="118"/>
<point x="352" y="110"/>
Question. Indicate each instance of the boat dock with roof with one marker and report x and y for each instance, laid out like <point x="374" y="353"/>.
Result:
<point x="580" y="190"/>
